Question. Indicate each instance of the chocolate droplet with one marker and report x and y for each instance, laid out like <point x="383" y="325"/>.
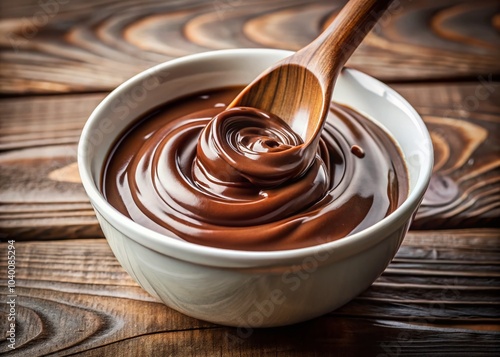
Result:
<point x="358" y="151"/>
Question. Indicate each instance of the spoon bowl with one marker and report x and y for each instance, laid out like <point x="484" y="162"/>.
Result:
<point x="298" y="89"/>
<point x="300" y="109"/>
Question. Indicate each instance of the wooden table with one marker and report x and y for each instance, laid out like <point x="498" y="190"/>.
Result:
<point x="59" y="58"/>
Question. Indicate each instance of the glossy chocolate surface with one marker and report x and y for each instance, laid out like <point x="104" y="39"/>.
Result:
<point x="235" y="179"/>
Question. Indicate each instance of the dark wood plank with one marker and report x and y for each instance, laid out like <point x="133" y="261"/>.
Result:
<point x="464" y="124"/>
<point x="440" y="295"/>
<point x="66" y="46"/>
<point x="41" y="196"/>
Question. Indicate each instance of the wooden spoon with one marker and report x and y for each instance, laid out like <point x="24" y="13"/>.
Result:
<point x="298" y="89"/>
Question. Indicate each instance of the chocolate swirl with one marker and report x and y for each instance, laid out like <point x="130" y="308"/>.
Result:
<point x="235" y="179"/>
<point x="250" y="145"/>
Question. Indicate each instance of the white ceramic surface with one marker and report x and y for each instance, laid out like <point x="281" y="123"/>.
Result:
<point x="243" y="288"/>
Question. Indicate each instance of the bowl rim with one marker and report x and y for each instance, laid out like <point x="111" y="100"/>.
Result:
<point x="213" y="256"/>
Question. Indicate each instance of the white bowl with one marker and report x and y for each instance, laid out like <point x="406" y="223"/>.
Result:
<point x="248" y="288"/>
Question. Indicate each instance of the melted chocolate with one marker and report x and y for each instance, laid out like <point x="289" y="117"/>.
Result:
<point x="235" y="179"/>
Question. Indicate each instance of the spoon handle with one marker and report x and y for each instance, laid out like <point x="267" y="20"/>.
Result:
<point x="327" y="54"/>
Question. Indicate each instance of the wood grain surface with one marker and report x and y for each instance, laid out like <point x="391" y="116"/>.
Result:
<point x="58" y="60"/>
<point x="73" y="297"/>
<point x="72" y="46"/>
